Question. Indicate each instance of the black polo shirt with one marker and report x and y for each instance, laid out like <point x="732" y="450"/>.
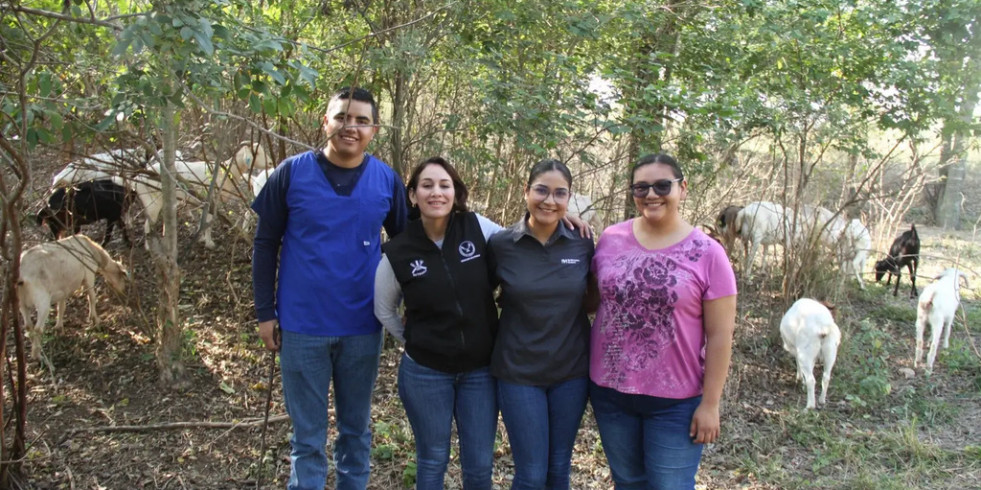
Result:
<point x="543" y="335"/>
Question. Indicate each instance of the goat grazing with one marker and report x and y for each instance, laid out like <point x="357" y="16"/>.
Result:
<point x="85" y="203"/>
<point x="936" y="307"/>
<point x="817" y="219"/>
<point x="905" y="251"/>
<point x="725" y="224"/>
<point x="108" y="165"/>
<point x="51" y="272"/>
<point x="857" y="241"/>
<point x="808" y="330"/>
<point x="760" y="223"/>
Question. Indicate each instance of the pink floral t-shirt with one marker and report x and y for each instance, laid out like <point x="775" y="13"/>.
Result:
<point x="648" y="337"/>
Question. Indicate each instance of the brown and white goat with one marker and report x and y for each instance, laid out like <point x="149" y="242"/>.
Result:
<point x="51" y="272"/>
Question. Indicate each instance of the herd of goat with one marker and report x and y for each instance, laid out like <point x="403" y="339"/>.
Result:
<point x="808" y="328"/>
<point x="100" y="187"/>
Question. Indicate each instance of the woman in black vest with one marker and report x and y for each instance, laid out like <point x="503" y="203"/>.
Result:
<point x="439" y="265"/>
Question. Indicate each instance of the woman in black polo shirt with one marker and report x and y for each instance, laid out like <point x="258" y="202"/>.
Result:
<point x="541" y="357"/>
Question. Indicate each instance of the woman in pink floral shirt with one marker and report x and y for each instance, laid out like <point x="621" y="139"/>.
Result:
<point x="662" y="339"/>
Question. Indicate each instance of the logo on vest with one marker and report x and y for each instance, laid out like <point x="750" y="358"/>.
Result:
<point x="570" y="261"/>
<point x="468" y="251"/>
<point x="418" y="268"/>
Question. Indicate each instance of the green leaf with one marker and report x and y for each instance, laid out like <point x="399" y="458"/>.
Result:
<point x="205" y="43"/>
<point x="105" y="122"/>
<point x="255" y="104"/>
<point x="227" y="389"/>
<point x="206" y="27"/>
<point x="286" y="107"/>
<point x="125" y="38"/>
<point x="269" y="104"/>
<point x="56" y="120"/>
<point x="44" y="84"/>
<point x="273" y="73"/>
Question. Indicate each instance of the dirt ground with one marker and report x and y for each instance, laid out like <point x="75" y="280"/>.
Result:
<point x="103" y="422"/>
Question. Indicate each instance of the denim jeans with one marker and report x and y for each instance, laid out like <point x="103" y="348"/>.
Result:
<point x="309" y="363"/>
<point x="432" y="399"/>
<point x="647" y="439"/>
<point x="542" y="423"/>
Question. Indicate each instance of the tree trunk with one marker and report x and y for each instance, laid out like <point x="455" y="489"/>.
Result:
<point x="399" y="129"/>
<point x="11" y="194"/>
<point x="163" y="248"/>
<point x="949" y="206"/>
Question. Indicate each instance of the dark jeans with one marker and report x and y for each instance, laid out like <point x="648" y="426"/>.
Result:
<point x="647" y="439"/>
<point x="432" y="400"/>
<point x="542" y="423"/>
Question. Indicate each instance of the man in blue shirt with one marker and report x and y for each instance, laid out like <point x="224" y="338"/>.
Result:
<point x="320" y="220"/>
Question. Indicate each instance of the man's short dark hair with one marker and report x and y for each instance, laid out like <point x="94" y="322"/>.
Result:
<point x="361" y="95"/>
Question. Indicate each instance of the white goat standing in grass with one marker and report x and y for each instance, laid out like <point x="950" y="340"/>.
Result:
<point x="53" y="271"/>
<point x="937" y="307"/>
<point x="856" y="243"/>
<point x="760" y="223"/>
<point x="809" y="330"/>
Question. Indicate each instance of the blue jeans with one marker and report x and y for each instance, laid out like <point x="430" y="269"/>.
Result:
<point x="647" y="439"/>
<point x="432" y="399"/>
<point x="542" y="422"/>
<point x="309" y="363"/>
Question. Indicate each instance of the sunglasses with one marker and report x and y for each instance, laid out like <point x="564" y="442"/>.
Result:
<point x="661" y="187"/>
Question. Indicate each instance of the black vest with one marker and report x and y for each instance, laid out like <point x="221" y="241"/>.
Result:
<point x="451" y="318"/>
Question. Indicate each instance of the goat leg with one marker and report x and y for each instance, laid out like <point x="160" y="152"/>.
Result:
<point x="913" y="266"/>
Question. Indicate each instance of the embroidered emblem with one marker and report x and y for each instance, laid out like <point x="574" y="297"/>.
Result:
<point x="570" y="261"/>
<point x="467" y="249"/>
<point x="418" y="268"/>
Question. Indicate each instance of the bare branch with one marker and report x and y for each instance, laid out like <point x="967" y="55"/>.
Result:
<point x="68" y="18"/>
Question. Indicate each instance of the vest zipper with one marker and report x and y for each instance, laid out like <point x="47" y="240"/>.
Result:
<point x="456" y="299"/>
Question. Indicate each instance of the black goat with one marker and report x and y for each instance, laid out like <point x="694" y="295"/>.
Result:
<point x="85" y="203"/>
<point x="905" y="251"/>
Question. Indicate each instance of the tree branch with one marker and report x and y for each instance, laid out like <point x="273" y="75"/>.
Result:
<point x="68" y="18"/>
<point x="175" y="425"/>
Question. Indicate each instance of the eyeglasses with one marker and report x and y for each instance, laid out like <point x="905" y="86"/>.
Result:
<point x="541" y="192"/>
<point x="661" y="187"/>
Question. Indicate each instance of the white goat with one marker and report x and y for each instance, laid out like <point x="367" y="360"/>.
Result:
<point x="52" y="271"/>
<point x="256" y="182"/>
<point x="809" y="330"/>
<point x="108" y="165"/>
<point x="814" y="219"/>
<point x="195" y="178"/>
<point x="760" y="223"/>
<point x="937" y="307"/>
<point x="582" y="206"/>
<point x="856" y="243"/>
